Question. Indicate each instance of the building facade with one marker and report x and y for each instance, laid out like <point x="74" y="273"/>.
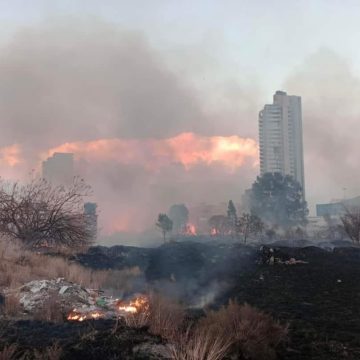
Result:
<point x="337" y="208"/>
<point x="280" y="137"/>
<point x="59" y="169"/>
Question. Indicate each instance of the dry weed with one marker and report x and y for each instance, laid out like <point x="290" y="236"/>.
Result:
<point x="53" y="352"/>
<point x="19" y="266"/>
<point x="166" y="317"/>
<point x="253" y="333"/>
<point x="8" y="352"/>
<point x="200" y="343"/>
<point x="12" y="306"/>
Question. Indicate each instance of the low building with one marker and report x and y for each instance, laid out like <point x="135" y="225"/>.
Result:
<point x="337" y="208"/>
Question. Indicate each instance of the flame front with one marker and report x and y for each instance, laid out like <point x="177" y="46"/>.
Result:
<point x="139" y="304"/>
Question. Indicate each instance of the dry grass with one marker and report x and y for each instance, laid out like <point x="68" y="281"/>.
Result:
<point x="8" y="352"/>
<point x="240" y="329"/>
<point x="253" y="333"/>
<point x="200" y="343"/>
<point x="53" y="352"/>
<point x="18" y="266"/>
<point x="161" y="315"/>
<point x="12" y="306"/>
<point x="166" y="317"/>
<point x="137" y="320"/>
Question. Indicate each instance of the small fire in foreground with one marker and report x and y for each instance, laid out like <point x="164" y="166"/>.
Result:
<point x="139" y="304"/>
<point x="76" y="315"/>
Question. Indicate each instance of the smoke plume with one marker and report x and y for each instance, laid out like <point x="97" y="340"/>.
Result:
<point x="143" y="136"/>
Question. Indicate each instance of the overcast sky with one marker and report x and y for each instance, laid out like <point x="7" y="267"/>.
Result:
<point x="257" y="39"/>
<point x="65" y="64"/>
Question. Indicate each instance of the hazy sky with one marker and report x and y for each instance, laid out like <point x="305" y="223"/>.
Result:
<point x="74" y="74"/>
<point x="263" y="40"/>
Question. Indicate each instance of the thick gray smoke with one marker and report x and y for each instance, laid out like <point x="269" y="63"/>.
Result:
<point x="86" y="80"/>
<point x="331" y="111"/>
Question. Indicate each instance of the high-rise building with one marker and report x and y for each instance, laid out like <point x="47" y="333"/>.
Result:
<point x="59" y="169"/>
<point x="280" y="135"/>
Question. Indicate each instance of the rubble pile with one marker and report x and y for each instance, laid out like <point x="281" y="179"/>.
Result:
<point x="74" y="300"/>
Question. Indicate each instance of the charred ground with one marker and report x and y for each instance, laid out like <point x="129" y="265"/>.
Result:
<point x="319" y="299"/>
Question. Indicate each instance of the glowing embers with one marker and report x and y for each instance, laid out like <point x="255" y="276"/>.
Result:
<point x="112" y="309"/>
<point x="78" y="315"/>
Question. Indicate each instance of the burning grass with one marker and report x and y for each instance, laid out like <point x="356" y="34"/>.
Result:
<point x="19" y="267"/>
<point x="236" y="330"/>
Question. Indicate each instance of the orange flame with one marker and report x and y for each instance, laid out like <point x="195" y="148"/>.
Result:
<point x="190" y="230"/>
<point x="137" y="305"/>
<point x="76" y="315"/>
<point x="140" y="303"/>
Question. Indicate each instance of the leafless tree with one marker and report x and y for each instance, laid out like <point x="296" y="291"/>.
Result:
<point x="249" y="224"/>
<point x="40" y="214"/>
<point x="351" y="223"/>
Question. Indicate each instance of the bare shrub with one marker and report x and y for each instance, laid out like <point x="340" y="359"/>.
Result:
<point x="40" y="214"/>
<point x="8" y="352"/>
<point x="351" y="223"/>
<point x="240" y="329"/>
<point x="200" y="343"/>
<point x="253" y="333"/>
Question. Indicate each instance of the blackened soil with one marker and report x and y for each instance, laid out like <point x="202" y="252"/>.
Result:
<point x="93" y="340"/>
<point x="320" y="300"/>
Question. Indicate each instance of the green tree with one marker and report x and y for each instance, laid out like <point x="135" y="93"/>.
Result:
<point x="179" y="214"/>
<point x="232" y="217"/>
<point x="165" y="224"/>
<point x="278" y="199"/>
<point x="249" y="224"/>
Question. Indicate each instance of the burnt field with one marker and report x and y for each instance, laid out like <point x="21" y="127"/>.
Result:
<point x="315" y="291"/>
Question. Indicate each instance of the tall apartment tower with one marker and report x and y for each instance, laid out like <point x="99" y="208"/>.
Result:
<point x="280" y="135"/>
<point x="59" y="168"/>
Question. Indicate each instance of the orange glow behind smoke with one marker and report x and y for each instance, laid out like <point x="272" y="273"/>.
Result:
<point x="10" y="155"/>
<point x="187" y="149"/>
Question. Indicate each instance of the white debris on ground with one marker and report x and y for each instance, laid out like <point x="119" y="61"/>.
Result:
<point x="293" y="261"/>
<point x="74" y="300"/>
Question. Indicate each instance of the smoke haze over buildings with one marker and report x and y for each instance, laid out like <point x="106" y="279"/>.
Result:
<point x="147" y="134"/>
